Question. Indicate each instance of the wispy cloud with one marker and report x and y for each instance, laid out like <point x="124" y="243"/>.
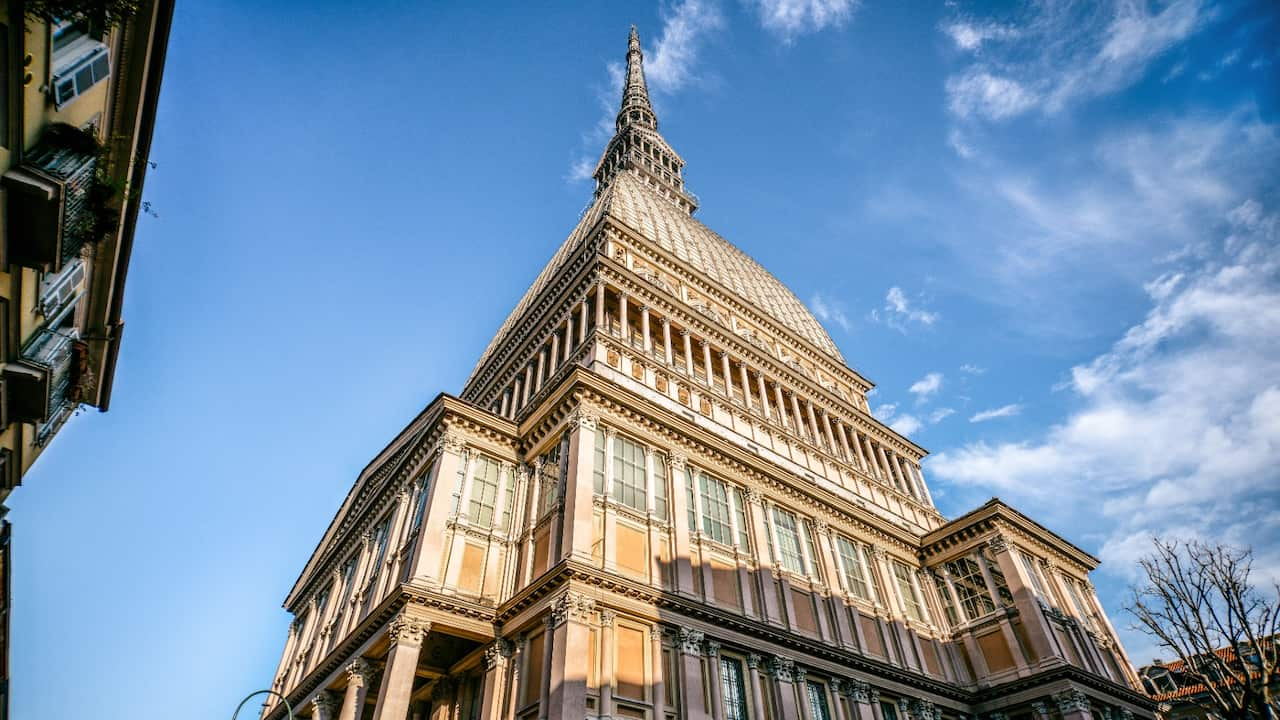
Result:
<point x="789" y="19"/>
<point x="969" y="369"/>
<point x="829" y="311"/>
<point x="669" y="67"/>
<point x="940" y="414"/>
<point x="1062" y="54"/>
<point x="1000" y="412"/>
<point x="899" y="314"/>
<point x="926" y="386"/>
<point x="1178" y="424"/>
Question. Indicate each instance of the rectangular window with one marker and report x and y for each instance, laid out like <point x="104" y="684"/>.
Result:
<point x="888" y="711"/>
<point x="660" y="509"/>
<point x="549" y="481"/>
<point x="814" y="564"/>
<point x="997" y="577"/>
<point x="715" y="509"/>
<point x="907" y="591"/>
<point x="818" y="707"/>
<point x="740" y="516"/>
<point x="1033" y="574"/>
<point x="851" y="562"/>
<point x="1076" y="601"/>
<point x="484" y="492"/>
<point x="420" y="508"/>
<point x="348" y="579"/>
<point x="629" y="486"/>
<point x="735" y="698"/>
<point x="380" y="542"/>
<point x="597" y="471"/>
<point x="971" y="589"/>
<point x="944" y="595"/>
<point x="789" y="554"/>
<point x="509" y="494"/>
<point x="690" y="500"/>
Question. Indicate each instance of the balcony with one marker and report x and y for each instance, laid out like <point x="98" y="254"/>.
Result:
<point x="43" y="386"/>
<point x="50" y="208"/>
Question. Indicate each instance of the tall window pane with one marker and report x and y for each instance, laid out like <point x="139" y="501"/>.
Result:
<point x="660" y="486"/>
<point x="597" y="469"/>
<point x="997" y="576"/>
<point x="629" y="486"/>
<point x="740" y="517"/>
<point x="484" y="492"/>
<point x="944" y="595"/>
<point x="715" y="509"/>
<point x="788" y="532"/>
<point x="379" y="542"/>
<point x="818" y="701"/>
<point x="907" y="591"/>
<point x="851" y="562"/>
<point x="735" y="699"/>
<point x="549" y="479"/>
<point x="424" y="488"/>
<point x="966" y="576"/>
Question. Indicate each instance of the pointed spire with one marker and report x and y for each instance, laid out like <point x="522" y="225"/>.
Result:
<point x="636" y="109"/>
<point x="638" y="147"/>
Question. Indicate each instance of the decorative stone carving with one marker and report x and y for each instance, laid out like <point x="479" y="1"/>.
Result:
<point x="922" y="709"/>
<point x="782" y="669"/>
<point x="821" y="527"/>
<point x="873" y="696"/>
<point x="1071" y="701"/>
<point x="904" y="708"/>
<point x="1127" y="714"/>
<point x="583" y="417"/>
<point x="754" y="496"/>
<point x="655" y="633"/>
<point x="362" y="669"/>
<point x="998" y="543"/>
<point x="753" y="661"/>
<point x="801" y="675"/>
<point x="879" y="552"/>
<point x="677" y="461"/>
<point x="570" y="606"/>
<point x="713" y="648"/>
<point x="498" y="651"/>
<point x="860" y="691"/>
<point x="690" y="641"/>
<point x="324" y="703"/>
<point x="408" y="630"/>
<point x="1041" y="709"/>
<point x="837" y="686"/>
<point x="607" y="616"/>
<point x="451" y="441"/>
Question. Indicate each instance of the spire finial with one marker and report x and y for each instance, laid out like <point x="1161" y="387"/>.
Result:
<point x="635" y="93"/>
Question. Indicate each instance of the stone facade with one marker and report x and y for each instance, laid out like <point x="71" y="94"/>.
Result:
<point x="661" y="496"/>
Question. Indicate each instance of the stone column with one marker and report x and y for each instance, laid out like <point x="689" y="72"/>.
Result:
<point x="359" y="676"/>
<point x="837" y="699"/>
<point x="1024" y="598"/>
<point x="692" y="692"/>
<point x="860" y="695"/>
<point x="406" y="634"/>
<point x="688" y="351"/>
<point x="844" y="440"/>
<point x="624" y="325"/>
<point x="582" y="321"/>
<point x="802" y="694"/>
<point x="832" y="447"/>
<point x="666" y="347"/>
<point x="568" y="626"/>
<point x="795" y="413"/>
<point x="575" y="531"/>
<point x="754" y="680"/>
<point x="506" y="403"/>
<point x="442" y="699"/>
<point x="555" y="352"/>
<point x="706" y="360"/>
<point x="606" y="679"/>
<point x="528" y="384"/>
<point x="658" y="686"/>
<point x="764" y="396"/>
<point x="728" y="376"/>
<point x="746" y="385"/>
<point x="873" y="699"/>
<point x="682" y="553"/>
<point x="429" y="549"/>
<point x="516" y="402"/>
<point x="782" y="670"/>
<point x="600" y="325"/>
<point x="568" y="334"/>
<point x="813" y="422"/>
<point x="760" y="539"/>
<point x="713" y="679"/>
<point x="496" y="658"/>
<point x="644" y="328"/>
<point x="541" y="373"/>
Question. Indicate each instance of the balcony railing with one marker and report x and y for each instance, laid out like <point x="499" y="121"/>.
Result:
<point x="43" y="387"/>
<point x="49" y="200"/>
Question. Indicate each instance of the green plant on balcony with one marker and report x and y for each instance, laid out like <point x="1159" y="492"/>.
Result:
<point x="99" y="13"/>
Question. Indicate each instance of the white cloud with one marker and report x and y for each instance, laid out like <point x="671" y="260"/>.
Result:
<point x="885" y="411"/>
<point x="906" y="424"/>
<point x="940" y="414"/>
<point x="830" y="311"/>
<point x="962" y="147"/>
<point x="969" y="369"/>
<point x="971" y="35"/>
<point x="1062" y="54"/>
<point x="1177" y="426"/>
<point x="674" y="59"/>
<point x="898" y="312"/>
<point x="1000" y="412"/>
<point x="926" y="386"/>
<point x="581" y="169"/>
<point x="791" y="18"/>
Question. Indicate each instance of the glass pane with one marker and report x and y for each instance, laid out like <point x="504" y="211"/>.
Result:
<point x="735" y="700"/>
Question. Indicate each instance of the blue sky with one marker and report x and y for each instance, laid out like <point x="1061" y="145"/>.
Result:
<point x="1050" y="233"/>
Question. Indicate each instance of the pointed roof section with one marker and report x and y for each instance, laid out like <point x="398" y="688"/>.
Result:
<point x="637" y="145"/>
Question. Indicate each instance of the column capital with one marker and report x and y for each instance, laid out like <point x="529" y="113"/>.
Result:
<point x="571" y="606"/>
<point x="873" y="696"/>
<point x="690" y="641"/>
<point x="860" y="691"/>
<point x="408" y="630"/>
<point x="1041" y="709"/>
<point x="360" y="668"/>
<point x="607" y="616"/>
<point x="821" y="527"/>
<point x="781" y="668"/>
<point x="323" y="705"/>
<point x="684" y="332"/>
<point x="677" y="460"/>
<point x="801" y="675"/>
<point x="500" y="650"/>
<point x="450" y="441"/>
<point x="655" y="633"/>
<point x="583" y="417"/>
<point x="998" y="543"/>
<point x="754" y="660"/>
<point x="666" y="321"/>
<point x="713" y="648"/>
<point x="1071" y="701"/>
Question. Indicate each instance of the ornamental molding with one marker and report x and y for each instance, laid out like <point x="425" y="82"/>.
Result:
<point x="713" y="649"/>
<point x="583" y="417"/>
<point x="571" y="606"/>
<point x="362" y="669"/>
<point x="690" y="641"/>
<point x="408" y="630"/>
<point x="499" y="650"/>
<point x="1071" y="701"/>
<point x="998" y="543"/>
<point x="860" y="691"/>
<point x="1041" y="709"/>
<point x="781" y="668"/>
<point x="873" y="696"/>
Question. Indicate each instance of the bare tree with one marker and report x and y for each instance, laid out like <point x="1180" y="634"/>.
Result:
<point x="1198" y="602"/>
